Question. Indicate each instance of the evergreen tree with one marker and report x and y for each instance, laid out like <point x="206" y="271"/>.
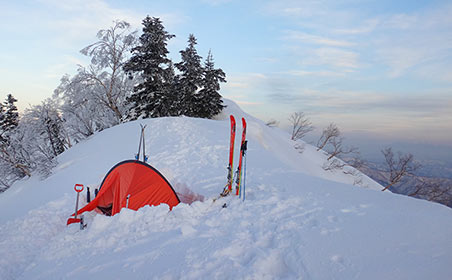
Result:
<point x="211" y="98"/>
<point x="14" y="163"/>
<point x="176" y="108"/>
<point x="9" y="117"/>
<point x="152" y="97"/>
<point x="190" y="79"/>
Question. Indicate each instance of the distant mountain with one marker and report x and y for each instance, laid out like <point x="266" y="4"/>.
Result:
<point x="432" y="181"/>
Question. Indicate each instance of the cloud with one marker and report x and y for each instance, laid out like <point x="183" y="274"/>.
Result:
<point x="394" y="115"/>
<point x="304" y="73"/>
<point x="334" y="57"/>
<point x="242" y="81"/>
<point x="55" y="71"/>
<point x="407" y="43"/>
<point x="236" y="85"/>
<point x="297" y="9"/>
<point x="391" y="44"/>
<point x="315" y="39"/>
<point x="400" y="59"/>
<point x="358" y="102"/>
<point x="365" y="27"/>
<point x="267" y="59"/>
<point x="98" y="11"/>
<point x="249" y="103"/>
<point x="216" y="2"/>
<point x="74" y="20"/>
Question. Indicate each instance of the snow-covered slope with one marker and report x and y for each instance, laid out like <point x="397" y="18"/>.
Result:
<point x="298" y="222"/>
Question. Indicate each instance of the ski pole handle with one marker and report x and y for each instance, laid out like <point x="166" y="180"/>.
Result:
<point x="78" y="188"/>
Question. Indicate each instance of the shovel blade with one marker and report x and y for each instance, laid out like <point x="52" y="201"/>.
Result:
<point x="73" y="220"/>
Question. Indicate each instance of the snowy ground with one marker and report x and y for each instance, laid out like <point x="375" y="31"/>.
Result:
<point x="298" y="222"/>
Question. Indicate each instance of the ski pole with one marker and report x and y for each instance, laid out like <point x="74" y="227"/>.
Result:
<point x="244" y="147"/>
<point x="244" y="177"/>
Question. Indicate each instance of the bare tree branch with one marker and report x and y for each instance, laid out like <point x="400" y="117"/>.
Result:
<point x="328" y="133"/>
<point x="433" y="189"/>
<point x="333" y="165"/>
<point x="398" y="169"/>
<point x="301" y="125"/>
<point x="338" y="148"/>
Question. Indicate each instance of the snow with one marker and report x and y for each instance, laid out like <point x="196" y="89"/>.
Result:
<point x="298" y="221"/>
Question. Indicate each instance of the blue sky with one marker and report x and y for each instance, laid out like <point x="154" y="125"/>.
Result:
<point x="379" y="69"/>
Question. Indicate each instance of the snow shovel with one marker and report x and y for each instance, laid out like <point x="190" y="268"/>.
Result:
<point x="78" y="188"/>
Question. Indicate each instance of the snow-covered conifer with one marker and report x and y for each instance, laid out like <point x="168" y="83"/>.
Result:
<point x="14" y="160"/>
<point x="190" y="80"/>
<point x="212" y="103"/>
<point x="153" y="96"/>
<point x="176" y="108"/>
<point x="9" y="117"/>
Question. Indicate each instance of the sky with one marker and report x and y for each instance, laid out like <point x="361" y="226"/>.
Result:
<point x="378" y="69"/>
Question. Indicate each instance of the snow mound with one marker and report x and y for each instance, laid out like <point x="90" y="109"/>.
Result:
<point x="298" y="222"/>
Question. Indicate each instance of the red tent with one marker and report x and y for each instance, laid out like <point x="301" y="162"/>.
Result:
<point x="133" y="184"/>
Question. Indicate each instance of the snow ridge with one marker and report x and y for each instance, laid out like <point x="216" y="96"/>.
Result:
<point x="298" y="222"/>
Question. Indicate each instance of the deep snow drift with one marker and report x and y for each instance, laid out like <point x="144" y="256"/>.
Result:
<point x="298" y="222"/>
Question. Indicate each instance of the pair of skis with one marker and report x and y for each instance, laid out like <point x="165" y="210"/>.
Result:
<point x="142" y="143"/>
<point x="243" y="146"/>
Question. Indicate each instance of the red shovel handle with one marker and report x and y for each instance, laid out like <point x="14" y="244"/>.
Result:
<point x="78" y="187"/>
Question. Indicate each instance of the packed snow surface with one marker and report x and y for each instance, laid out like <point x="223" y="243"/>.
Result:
<point x="297" y="222"/>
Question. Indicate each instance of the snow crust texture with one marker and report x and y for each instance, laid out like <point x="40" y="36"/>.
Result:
<point x="298" y="221"/>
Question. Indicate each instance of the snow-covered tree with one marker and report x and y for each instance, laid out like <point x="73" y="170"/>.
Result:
<point x="94" y="99"/>
<point x="153" y="96"/>
<point x="44" y="121"/>
<point x="33" y="144"/>
<point x="14" y="160"/>
<point x="105" y="75"/>
<point x="83" y="115"/>
<point x="190" y="79"/>
<point x="9" y="117"/>
<point x="212" y="103"/>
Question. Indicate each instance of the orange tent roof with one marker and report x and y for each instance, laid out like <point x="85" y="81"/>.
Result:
<point x="142" y="183"/>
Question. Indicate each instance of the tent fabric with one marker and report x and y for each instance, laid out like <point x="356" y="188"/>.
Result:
<point x="141" y="182"/>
